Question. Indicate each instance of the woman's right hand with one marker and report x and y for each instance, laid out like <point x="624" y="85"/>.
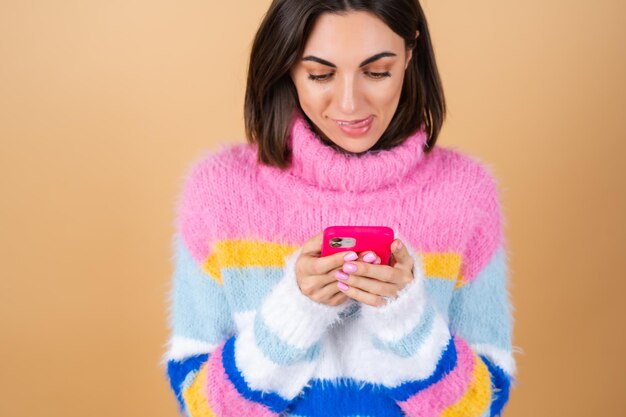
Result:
<point x="316" y="275"/>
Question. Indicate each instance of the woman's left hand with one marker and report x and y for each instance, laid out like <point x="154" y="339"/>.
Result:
<point x="367" y="281"/>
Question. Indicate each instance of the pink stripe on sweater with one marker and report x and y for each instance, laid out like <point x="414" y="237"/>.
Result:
<point x="222" y="395"/>
<point x="443" y="202"/>
<point x="432" y="401"/>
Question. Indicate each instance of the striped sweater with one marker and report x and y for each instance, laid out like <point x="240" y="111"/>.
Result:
<point x="246" y="342"/>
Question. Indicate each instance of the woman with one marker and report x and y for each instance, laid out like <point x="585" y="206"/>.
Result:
<point x="343" y="108"/>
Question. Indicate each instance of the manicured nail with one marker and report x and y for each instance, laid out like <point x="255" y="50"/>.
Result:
<point x="341" y="276"/>
<point x="349" y="268"/>
<point x="370" y="257"/>
<point x="342" y="286"/>
<point x="377" y="261"/>
<point x="398" y="246"/>
<point x="351" y="256"/>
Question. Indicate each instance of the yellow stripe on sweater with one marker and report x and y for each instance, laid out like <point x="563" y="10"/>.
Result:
<point x="478" y="395"/>
<point x="195" y="395"/>
<point x="460" y="282"/>
<point x="242" y="253"/>
<point x="441" y="265"/>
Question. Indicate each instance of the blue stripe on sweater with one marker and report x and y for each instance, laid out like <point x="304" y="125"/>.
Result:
<point x="272" y="400"/>
<point x="480" y="311"/>
<point x="247" y="286"/>
<point x="440" y="292"/>
<point x="344" y="397"/>
<point x="446" y="363"/>
<point x="277" y="350"/>
<point x="409" y="344"/>
<point x="501" y="385"/>
<point x="177" y="371"/>
<point x="199" y="307"/>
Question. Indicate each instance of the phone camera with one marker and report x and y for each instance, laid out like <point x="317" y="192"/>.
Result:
<point x="335" y="242"/>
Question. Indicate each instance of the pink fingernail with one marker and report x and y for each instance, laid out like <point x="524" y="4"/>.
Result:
<point x="342" y="286"/>
<point x="370" y="257"/>
<point x="349" y="268"/>
<point x="352" y="256"/>
<point x="341" y="276"/>
<point x="377" y="261"/>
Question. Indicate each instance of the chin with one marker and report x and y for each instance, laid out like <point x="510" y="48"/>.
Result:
<point x="358" y="144"/>
<point x="355" y="147"/>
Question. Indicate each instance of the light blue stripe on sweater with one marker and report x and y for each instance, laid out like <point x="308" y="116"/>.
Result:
<point x="247" y="286"/>
<point x="480" y="310"/>
<point x="440" y="293"/>
<point x="409" y="344"/>
<point x="279" y="351"/>
<point x="199" y="307"/>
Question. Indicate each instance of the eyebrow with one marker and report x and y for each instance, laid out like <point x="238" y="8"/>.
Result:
<point x="362" y="64"/>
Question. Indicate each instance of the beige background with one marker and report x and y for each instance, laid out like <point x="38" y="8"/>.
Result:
<point x="103" y="105"/>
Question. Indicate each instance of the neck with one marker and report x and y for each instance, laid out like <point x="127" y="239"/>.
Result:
<point x="319" y="163"/>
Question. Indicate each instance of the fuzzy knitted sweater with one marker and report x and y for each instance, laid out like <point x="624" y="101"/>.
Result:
<point x="246" y="342"/>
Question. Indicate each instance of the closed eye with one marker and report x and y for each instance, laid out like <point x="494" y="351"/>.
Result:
<point x="374" y="75"/>
<point x="322" y="77"/>
<point x="379" y="75"/>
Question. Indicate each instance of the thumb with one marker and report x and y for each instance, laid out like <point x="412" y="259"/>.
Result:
<point x="401" y="255"/>
<point x="314" y="244"/>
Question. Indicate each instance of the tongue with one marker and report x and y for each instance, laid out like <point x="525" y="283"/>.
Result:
<point x="361" y="123"/>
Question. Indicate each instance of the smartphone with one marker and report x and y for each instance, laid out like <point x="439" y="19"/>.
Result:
<point x="359" y="239"/>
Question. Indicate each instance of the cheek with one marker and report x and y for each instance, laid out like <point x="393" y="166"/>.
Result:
<point x="312" y="96"/>
<point x="387" y="94"/>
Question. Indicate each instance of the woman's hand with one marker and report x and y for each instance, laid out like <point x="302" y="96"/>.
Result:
<point x="316" y="275"/>
<point x="367" y="281"/>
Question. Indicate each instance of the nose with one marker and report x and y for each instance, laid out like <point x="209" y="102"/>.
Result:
<point x="348" y="95"/>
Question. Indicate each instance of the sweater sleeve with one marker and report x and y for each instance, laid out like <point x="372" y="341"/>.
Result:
<point x="199" y="321"/>
<point x="462" y="365"/>
<point x="256" y="368"/>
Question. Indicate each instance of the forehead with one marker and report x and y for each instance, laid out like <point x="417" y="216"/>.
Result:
<point x="350" y="37"/>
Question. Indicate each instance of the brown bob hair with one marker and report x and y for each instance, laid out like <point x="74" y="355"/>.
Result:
<point x="271" y="97"/>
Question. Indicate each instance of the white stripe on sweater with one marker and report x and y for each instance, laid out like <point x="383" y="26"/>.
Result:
<point x="503" y="358"/>
<point x="347" y="351"/>
<point x="180" y="347"/>
<point x="395" y="320"/>
<point x="263" y="374"/>
<point x="293" y="317"/>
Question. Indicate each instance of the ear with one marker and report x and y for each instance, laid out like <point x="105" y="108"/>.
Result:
<point x="410" y="51"/>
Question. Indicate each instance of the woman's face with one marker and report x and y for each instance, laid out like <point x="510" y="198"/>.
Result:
<point x="349" y="78"/>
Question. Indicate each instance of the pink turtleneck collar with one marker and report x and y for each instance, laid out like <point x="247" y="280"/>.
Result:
<point x="320" y="165"/>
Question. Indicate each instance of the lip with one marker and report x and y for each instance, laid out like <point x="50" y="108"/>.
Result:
<point x="355" y="128"/>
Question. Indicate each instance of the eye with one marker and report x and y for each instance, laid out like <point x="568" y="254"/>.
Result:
<point x="320" y="78"/>
<point x="378" y="75"/>
<point x="326" y="77"/>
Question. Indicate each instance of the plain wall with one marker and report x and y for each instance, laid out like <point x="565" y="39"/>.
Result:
<point x="104" y="104"/>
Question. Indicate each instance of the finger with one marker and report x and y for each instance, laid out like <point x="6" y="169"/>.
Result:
<point x="313" y="245"/>
<point x="313" y="283"/>
<point x="371" y="285"/>
<point x="368" y="256"/>
<point x="401" y="256"/>
<point x="325" y="293"/>
<point x="384" y="273"/>
<point x="338" y="299"/>
<point x="360" y="295"/>
<point x="325" y="264"/>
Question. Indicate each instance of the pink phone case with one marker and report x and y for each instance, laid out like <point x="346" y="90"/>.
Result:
<point x="358" y="239"/>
